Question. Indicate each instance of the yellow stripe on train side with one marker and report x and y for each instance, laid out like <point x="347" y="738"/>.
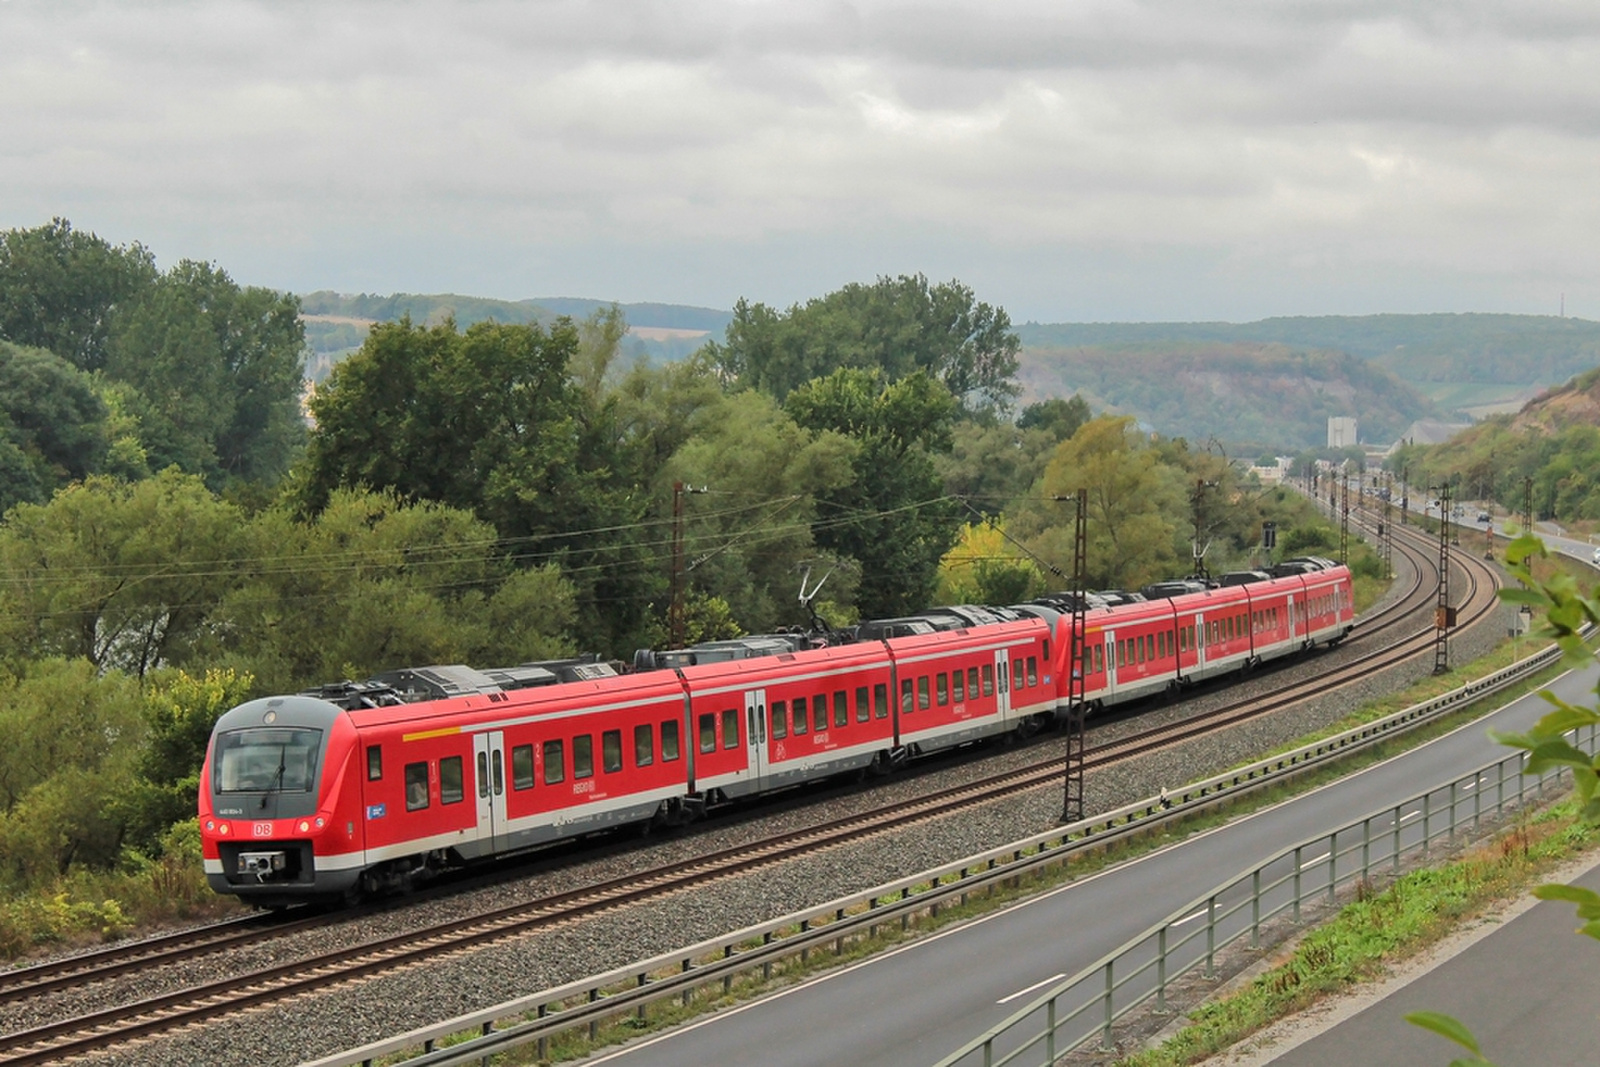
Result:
<point x="427" y="734"/>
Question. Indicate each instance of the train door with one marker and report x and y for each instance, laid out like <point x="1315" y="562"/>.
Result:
<point x="1002" y="685"/>
<point x="755" y="718"/>
<point x="1200" y="643"/>
<point x="489" y="765"/>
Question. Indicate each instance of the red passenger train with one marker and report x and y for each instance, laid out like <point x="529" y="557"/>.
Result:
<point x="367" y="786"/>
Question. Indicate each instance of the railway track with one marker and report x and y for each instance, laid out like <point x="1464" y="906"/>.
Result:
<point x="85" y="1033"/>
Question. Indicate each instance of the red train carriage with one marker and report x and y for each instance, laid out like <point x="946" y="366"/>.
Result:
<point x="370" y="785"/>
<point x="968" y="683"/>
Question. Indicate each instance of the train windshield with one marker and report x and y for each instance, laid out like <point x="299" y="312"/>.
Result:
<point x="262" y="760"/>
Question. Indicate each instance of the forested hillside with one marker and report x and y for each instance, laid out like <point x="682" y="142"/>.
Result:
<point x="1552" y="446"/>
<point x="1520" y="349"/>
<point x="1250" y="397"/>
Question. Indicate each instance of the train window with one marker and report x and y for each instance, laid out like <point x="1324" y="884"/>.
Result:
<point x="644" y="745"/>
<point x="522" y="767"/>
<point x="1121" y="657"/>
<point x="611" y="751"/>
<point x="941" y="688"/>
<point x="583" y="756"/>
<point x="669" y="740"/>
<point x="908" y="700"/>
<point x="863" y="704"/>
<point x="416" y="786"/>
<point x="841" y="708"/>
<point x="780" y="719"/>
<point x="708" y="732"/>
<point x="988" y="679"/>
<point x="1033" y="671"/>
<point x="880" y="701"/>
<point x="374" y="762"/>
<point x="1016" y="673"/>
<point x="958" y="686"/>
<point x="450" y="781"/>
<point x="1045" y="651"/>
<point x="924" y="702"/>
<point x="972" y="683"/>
<point x="730" y="728"/>
<point x="555" y="762"/>
<point x="819" y="713"/>
<point x="1099" y="659"/>
<point x="799" y="720"/>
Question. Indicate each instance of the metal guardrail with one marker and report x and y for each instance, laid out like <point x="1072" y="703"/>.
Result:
<point x="589" y="1001"/>
<point x="1090" y="1003"/>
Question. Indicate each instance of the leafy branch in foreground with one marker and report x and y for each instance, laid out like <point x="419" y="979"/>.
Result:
<point x="1567" y="611"/>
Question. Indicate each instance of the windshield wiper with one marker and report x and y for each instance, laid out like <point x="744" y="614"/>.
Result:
<point x="277" y="779"/>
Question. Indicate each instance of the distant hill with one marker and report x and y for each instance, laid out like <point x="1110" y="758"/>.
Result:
<point x="1246" y="395"/>
<point x="1474" y="362"/>
<point x="336" y="323"/>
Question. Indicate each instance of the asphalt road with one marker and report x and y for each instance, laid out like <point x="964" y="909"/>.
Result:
<point x="1526" y="991"/>
<point x="910" y="1007"/>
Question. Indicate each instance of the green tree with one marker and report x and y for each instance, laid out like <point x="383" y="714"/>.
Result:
<point x="218" y="371"/>
<point x="125" y="576"/>
<point x="894" y="518"/>
<point x="70" y="741"/>
<point x="60" y="288"/>
<point x="748" y="535"/>
<point x="1132" y="505"/>
<point x="372" y="583"/>
<point x="491" y="421"/>
<point x="898" y="326"/>
<point x="1058" y="416"/>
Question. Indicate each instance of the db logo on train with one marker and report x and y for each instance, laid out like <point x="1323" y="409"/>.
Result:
<point x="261" y="829"/>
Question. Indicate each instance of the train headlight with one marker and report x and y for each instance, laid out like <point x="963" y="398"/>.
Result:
<point x="223" y="829"/>
<point x="211" y="824"/>
<point x="305" y="826"/>
<point x="321" y="822"/>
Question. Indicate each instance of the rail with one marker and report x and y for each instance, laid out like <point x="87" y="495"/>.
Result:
<point x="590" y="1001"/>
<point x="1088" y="1005"/>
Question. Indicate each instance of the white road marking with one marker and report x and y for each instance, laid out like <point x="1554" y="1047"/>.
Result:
<point x="1190" y="918"/>
<point x="1030" y="989"/>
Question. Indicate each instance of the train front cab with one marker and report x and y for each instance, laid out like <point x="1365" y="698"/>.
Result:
<point x="277" y="825"/>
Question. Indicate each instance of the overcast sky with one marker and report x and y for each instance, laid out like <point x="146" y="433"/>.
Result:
<point x="1070" y="160"/>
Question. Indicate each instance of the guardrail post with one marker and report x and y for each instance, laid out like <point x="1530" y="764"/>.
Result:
<point x="1211" y="937"/>
<point x="1333" y="864"/>
<point x="1427" y="822"/>
<point x="1366" y="848"/>
<point x="1477" y="799"/>
<point x="766" y="966"/>
<point x="544" y="1042"/>
<point x="1500" y="787"/>
<point x="1452" y="837"/>
<point x="805" y="953"/>
<point x="1255" y="908"/>
<point x="688" y="994"/>
<point x="1397" y="839"/>
<point x="1297" y="885"/>
<point x="727" y="979"/>
<point x="485" y="1031"/>
<point x="1110" y="1015"/>
<point x="1161" y="973"/>
<point x="643" y="980"/>
<point x="1050" y="1031"/>
<point x="594" y="1024"/>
